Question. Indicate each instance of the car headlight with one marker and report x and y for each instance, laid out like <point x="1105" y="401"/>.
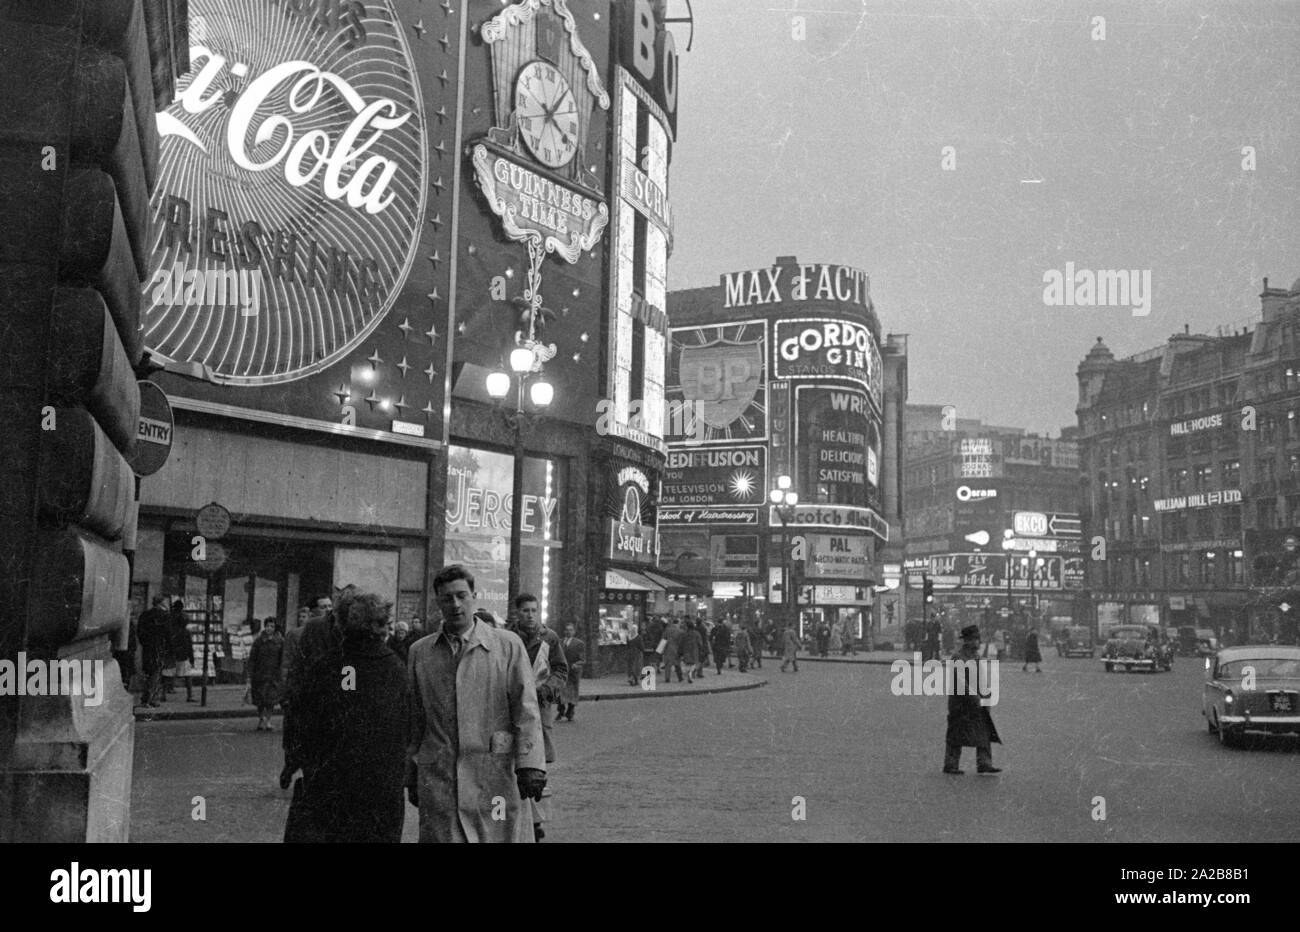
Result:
<point x="1207" y="665"/>
<point x="1227" y="698"/>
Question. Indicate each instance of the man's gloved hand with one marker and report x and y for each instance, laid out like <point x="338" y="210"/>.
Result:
<point x="531" y="783"/>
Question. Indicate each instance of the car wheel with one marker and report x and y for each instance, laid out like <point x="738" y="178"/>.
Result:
<point x="1228" y="738"/>
<point x="1210" y="725"/>
<point x="1110" y="668"/>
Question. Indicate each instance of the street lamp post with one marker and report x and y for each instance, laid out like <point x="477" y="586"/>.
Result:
<point x="526" y="364"/>
<point x="1007" y="537"/>
<point x="784" y="498"/>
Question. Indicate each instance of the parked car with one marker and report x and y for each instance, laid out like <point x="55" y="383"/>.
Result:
<point x="1076" y="641"/>
<point x="1252" y="690"/>
<point x="1137" y="647"/>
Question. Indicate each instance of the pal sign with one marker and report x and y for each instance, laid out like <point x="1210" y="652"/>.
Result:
<point x="648" y="51"/>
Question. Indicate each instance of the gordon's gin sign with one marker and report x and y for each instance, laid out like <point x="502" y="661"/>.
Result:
<point x="294" y="149"/>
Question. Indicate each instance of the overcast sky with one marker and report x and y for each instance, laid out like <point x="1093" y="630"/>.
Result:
<point x="830" y="148"/>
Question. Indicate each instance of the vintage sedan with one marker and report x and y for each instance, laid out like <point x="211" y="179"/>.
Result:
<point x="1075" y="641"/>
<point x="1136" y="647"/>
<point x="1252" y="690"/>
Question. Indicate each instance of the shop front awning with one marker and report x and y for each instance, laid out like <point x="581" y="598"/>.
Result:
<point x="626" y="579"/>
<point x="676" y="584"/>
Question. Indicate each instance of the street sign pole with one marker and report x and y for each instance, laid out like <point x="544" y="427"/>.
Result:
<point x="207" y="639"/>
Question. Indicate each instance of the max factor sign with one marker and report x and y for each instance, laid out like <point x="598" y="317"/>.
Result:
<point x="797" y="283"/>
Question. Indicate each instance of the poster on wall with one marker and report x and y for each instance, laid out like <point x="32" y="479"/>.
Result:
<point x="686" y="552"/>
<point x="732" y="555"/>
<point x="838" y="556"/>
<point x="716" y="385"/>
<point x="294" y="181"/>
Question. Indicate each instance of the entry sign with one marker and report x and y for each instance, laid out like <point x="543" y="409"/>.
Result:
<point x="153" y="436"/>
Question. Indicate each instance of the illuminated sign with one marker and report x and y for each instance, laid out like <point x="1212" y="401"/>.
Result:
<point x="828" y="349"/>
<point x="295" y="156"/>
<point x="535" y="209"/>
<point x="716" y="478"/>
<point x="966" y="494"/>
<point x="837" y="556"/>
<point x="837" y="517"/>
<point x="834" y="432"/>
<point x="648" y="198"/>
<point x="649" y="53"/>
<point x="1201" y="423"/>
<point x="1198" y="500"/>
<point x="837" y="283"/>
<point x="719" y="369"/>
<point x="977" y="458"/>
<point x="989" y="571"/>
<point x="295" y="186"/>
<point x="742" y="516"/>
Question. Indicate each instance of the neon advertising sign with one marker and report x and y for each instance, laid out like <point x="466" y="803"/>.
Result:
<point x="294" y="165"/>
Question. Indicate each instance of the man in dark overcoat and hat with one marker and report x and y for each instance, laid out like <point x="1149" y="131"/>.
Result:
<point x="969" y="721"/>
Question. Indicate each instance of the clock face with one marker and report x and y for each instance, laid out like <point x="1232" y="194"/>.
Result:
<point x="547" y="114"/>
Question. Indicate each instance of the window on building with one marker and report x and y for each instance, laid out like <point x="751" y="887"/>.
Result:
<point x="1144" y="529"/>
<point x="1293" y="510"/>
<point x="1236" y="568"/>
<point x="1292" y="377"/>
<point x="1183" y="568"/>
<point x="1267" y="472"/>
<point x="1232" y="474"/>
<point x="1202" y="443"/>
<point x="1204" y="475"/>
<point x="1176" y="526"/>
<point x="1177" y="447"/>
<point x="1178" y="480"/>
<point x="1293" y="465"/>
<point x="1204" y="523"/>
<point x="1205" y="571"/>
<point x="1232" y="521"/>
<point x="1144" y="571"/>
<point x="1265" y="514"/>
<point x="1267" y="428"/>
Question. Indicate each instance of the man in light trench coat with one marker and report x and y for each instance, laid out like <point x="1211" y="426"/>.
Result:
<point x="476" y="737"/>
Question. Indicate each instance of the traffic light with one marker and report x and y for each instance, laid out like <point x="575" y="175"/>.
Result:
<point x="927" y="589"/>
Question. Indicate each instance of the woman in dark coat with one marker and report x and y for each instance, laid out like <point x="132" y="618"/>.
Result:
<point x="689" y="647"/>
<point x="721" y="644"/>
<point x="351" y="712"/>
<point x="1032" y="653"/>
<point x="181" y="649"/>
<point x="264" y="672"/>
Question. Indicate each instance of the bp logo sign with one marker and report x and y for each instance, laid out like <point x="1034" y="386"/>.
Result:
<point x="292" y="183"/>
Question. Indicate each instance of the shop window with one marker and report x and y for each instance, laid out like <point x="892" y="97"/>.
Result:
<point x="1236" y="568"/>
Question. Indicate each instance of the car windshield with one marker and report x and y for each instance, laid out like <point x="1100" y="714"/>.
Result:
<point x="1264" y="667"/>
<point x="1128" y="632"/>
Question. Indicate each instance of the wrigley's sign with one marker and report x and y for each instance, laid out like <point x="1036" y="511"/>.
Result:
<point x="1199" y="500"/>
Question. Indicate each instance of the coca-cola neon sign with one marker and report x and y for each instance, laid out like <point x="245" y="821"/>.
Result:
<point x="299" y="162"/>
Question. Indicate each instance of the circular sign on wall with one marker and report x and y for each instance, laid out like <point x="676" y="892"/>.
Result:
<point x="153" y="438"/>
<point x="293" y="176"/>
<point x="212" y="521"/>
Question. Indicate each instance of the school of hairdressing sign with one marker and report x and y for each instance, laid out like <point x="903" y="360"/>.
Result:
<point x="294" y="156"/>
